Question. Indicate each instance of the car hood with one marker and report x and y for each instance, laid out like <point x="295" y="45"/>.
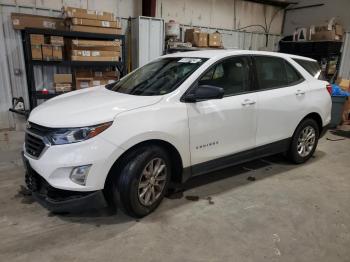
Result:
<point x="87" y="107"/>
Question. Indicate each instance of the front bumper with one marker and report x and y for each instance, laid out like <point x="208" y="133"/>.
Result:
<point x="57" y="162"/>
<point x="58" y="200"/>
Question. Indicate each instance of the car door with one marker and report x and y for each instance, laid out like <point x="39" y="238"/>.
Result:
<point x="281" y="100"/>
<point x="222" y="127"/>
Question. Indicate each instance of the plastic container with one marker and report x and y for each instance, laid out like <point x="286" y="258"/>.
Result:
<point x="172" y="29"/>
<point x="337" y="110"/>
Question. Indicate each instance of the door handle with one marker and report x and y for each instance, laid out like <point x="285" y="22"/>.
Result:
<point x="247" y="102"/>
<point x="300" y="93"/>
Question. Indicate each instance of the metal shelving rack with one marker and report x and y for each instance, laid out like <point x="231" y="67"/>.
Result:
<point x="34" y="95"/>
<point x="318" y="50"/>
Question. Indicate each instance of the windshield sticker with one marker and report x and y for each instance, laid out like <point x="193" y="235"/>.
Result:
<point x="190" y="60"/>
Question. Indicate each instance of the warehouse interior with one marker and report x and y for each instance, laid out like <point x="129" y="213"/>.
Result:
<point x="266" y="209"/>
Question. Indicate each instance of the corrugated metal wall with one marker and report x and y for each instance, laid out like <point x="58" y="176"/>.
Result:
<point x="344" y="70"/>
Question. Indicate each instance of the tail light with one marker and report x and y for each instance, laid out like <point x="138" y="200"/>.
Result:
<point x="329" y="88"/>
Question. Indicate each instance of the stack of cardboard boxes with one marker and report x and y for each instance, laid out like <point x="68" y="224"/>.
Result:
<point x="202" y="39"/>
<point x="62" y="82"/>
<point x="91" y="21"/>
<point x="48" y="49"/>
<point x="89" y="78"/>
<point x="95" y="50"/>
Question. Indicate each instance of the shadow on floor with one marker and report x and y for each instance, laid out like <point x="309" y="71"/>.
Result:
<point x="341" y="133"/>
<point x="236" y="176"/>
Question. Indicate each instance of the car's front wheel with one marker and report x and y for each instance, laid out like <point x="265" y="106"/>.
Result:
<point x="304" y="141"/>
<point x="143" y="181"/>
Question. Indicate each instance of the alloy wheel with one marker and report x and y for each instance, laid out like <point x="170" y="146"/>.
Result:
<point x="152" y="181"/>
<point x="306" y="141"/>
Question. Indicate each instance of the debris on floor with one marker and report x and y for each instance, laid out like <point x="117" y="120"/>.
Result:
<point x="337" y="139"/>
<point x="196" y="198"/>
<point x="25" y="194"/>
<point x="192" y="198"/>
<point x="210" y="201"/>
<point x="251" y="178"/>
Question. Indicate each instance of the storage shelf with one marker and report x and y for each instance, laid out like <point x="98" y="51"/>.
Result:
<point x="34" y="95"/>
<point x="74" y="34"/>
<point x="77" y="63"/>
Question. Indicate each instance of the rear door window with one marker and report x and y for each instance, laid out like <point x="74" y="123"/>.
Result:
<point x="271" y="72"/>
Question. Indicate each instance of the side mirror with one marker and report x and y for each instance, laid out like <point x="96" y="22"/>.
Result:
<point x="204" y="92"/>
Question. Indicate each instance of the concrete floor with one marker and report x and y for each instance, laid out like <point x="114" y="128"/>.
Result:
<point x="289" y="213"/>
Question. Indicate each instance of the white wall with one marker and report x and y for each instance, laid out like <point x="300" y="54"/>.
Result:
<point x="317" y="15"/>
<point x="220" y="14"/>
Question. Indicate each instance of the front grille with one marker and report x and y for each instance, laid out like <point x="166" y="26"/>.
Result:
<point x="39" y="130"/>
<point x="34" y="143"/>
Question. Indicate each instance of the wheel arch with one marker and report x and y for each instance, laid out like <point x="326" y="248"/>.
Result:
<point x="315" y="116"/>
<point x="177" y="163"/>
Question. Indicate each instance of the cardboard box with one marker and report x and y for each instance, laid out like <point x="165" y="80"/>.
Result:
<point x="83" y="82"/>
<point x="94" y="43"/>
<point x="21" y="21"/>
<point x="339" y="30"/>
<point x="214" y="40"/>
<point x="97" y="23"/>
<point x="196" y="37"/>
<point x="57" y="40"/>
<point x="97" y="75"/>
<point x="83" y="73"/>
<point x="96" y="58"/>
<point x="62" y="78"/>
<point x="98" y="48"/>
<point x="106" y="74"/>
<point x="322" y="33"/>
<point x="99" y="82"/>
<point x="72" y="12"/>
<point x="36" y="52"/>
<point x="97" y="30"/>
<point x="37" y="39"/>
<point x="94" y="53"/>
<point x="63" y="87"/>
<point x="344" y="84"/>
<point x="103" y="81"/>
<point x="57" y="52"/>
<point x="47" y="52"/>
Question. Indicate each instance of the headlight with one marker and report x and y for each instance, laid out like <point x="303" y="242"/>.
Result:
<point x="73" y="135"/>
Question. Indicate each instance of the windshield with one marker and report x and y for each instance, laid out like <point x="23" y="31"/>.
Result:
<point x="159" y="77"/>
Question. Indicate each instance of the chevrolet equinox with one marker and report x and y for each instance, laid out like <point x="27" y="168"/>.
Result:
<point x="179" y="116"/>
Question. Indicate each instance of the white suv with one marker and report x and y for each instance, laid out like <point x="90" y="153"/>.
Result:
<point x="179" y="116"/>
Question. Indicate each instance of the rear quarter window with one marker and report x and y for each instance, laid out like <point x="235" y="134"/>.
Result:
<point x="312" y="67"/>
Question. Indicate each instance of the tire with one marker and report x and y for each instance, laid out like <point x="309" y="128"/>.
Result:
<point x="303" y="146"/>
<point x="133" y="177"/>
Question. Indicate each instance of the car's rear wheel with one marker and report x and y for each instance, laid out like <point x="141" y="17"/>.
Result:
<point x="143" y="181"/>
<point x="304" y="141"/>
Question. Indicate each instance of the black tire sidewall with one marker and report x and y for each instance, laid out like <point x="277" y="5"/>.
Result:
<point x="128" y="181"/>
<point x="293" y="152"/>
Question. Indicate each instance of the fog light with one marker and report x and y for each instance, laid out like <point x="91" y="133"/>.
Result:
<point x="79" y="174"/>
